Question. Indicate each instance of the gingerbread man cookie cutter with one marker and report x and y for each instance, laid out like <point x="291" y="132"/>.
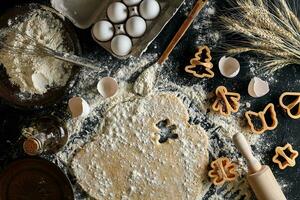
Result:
<point x="202" y="58"/>
<point x="222" y="170"/>
<point x="226" y="102"/>
<point x="262" y="117"/>
<point x="294" y="105"/>
<point x="289" y="160"/>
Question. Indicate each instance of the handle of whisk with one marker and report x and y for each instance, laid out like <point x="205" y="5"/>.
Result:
<point x="77" y="60"/>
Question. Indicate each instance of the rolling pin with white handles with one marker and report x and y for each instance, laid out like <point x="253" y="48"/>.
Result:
<point x="260" y="177"/>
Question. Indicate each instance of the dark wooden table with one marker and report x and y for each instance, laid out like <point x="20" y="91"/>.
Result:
<point x="287" y="79"/>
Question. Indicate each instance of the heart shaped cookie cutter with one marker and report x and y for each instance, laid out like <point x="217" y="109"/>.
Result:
<point x="292" y="105"/>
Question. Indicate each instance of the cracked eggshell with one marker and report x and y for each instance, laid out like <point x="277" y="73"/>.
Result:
<point x="107" y="87"/>
<point x="78" y="107"/>
<point x="229" y="67"/>
<point x="258" y="88"/>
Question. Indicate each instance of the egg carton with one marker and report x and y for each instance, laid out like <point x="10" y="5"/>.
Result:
<point x="112" y="30"/>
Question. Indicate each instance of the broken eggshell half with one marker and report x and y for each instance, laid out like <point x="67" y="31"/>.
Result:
<point x="258" y="88"/>
<point x="78" y="107"/>
<point x="107" y="87"/>
<point x="229" y="67"/>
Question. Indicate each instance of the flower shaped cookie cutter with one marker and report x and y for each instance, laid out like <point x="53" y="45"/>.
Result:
<point x="289" y="160"/>
<point x="222" y="170"/>
<point x="293" y="108"/>
<point x="265" y="125"/>
<point x="202" y="59"/>
<point x="226" y="102"/>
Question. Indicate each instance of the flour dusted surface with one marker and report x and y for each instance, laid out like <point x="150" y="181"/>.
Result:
<point x="31" y="73"/>
<point x="127" y="161"/>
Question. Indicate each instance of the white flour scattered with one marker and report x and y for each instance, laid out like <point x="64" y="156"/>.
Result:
<point x="36" y="74"/>
<point x="218" y="129"/>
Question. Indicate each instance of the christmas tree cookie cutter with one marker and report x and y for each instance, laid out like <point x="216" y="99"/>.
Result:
<point x="202" y="59"/>
<point x="226" y="102"/>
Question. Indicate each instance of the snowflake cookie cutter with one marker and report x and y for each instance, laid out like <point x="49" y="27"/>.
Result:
<point x="202" y="58"/>
<point x="222" y="170"/>
<point x="226" y="102"/>
<point x="265" y="125"/>
<point x="289" y="160"/>
<point x="292" y="106"/>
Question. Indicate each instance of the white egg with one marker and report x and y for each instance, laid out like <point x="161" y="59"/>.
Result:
<point x="103" y="30"/>
<point x="117" y="12"/>
<point x="136" y="26"/>
<point x="149" y="9"/>
<point x="107" y="87"/>
<point x="121" y="45"/>
<point x="131" y="2"/>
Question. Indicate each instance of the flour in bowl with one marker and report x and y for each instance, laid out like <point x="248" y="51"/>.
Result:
<point x="35" y="74"/>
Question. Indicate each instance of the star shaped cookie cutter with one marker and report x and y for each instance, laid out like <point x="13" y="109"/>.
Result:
<point x="202" y="58"/>
<point x="290" y="160"/>
<point x="294" y="105"/>
<point x="226" y="102"/>
<point x="262" y="117"/>
<point x="222" y="170"/>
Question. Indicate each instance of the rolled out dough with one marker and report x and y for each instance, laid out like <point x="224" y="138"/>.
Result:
<point x="127" y="161"/>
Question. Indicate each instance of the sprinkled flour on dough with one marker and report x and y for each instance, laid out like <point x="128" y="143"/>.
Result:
<point x="36" y="74"/>
<point x="153" y="81"/>
<point x="136" y="158"/>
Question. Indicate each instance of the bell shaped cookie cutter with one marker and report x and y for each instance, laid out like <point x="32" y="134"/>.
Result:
<point x="262" y="117"/>
<point x="226" y="102"/>
<point x="202" y="58"/>
<point x="291" y="106"/>
<point x="290" y="160"/>
<point x="222" y="170"/>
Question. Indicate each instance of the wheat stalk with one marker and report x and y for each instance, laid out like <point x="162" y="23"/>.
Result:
<point x="270" y="28"/>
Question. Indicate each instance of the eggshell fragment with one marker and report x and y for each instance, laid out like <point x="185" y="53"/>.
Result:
<point x="121" y="45"/>
<point x="258" y="88"/>
<point x="78" y="107"/>
<point x="136" y="26"/>
<point x="117" y="12"/>
<point x="107" y="87"/>
<point x="149" y="9"/>
<point x="229" y="67"/>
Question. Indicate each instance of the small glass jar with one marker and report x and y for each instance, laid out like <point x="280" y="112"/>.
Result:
<point x="44" y="135"/>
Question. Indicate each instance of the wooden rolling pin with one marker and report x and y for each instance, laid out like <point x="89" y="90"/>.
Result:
<point x="260" y="177"/>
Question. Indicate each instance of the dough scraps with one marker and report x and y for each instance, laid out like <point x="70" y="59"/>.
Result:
<point x="145" y="149"/>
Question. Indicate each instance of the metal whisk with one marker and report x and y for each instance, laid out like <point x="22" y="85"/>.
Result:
<point x="31" y="46"/>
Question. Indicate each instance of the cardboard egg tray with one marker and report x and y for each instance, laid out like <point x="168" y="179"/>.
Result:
<point x="85" y="13"/>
